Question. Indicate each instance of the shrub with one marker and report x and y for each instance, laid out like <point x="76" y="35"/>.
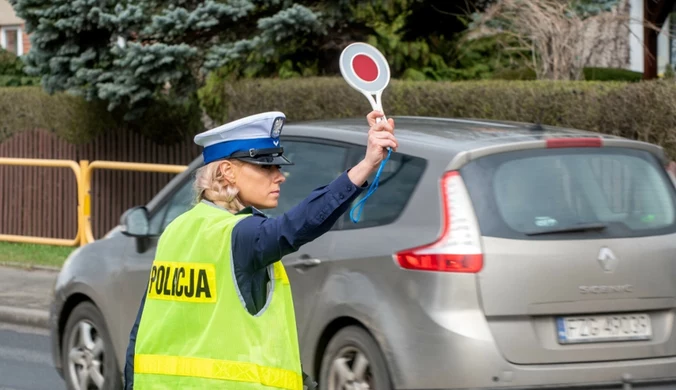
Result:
<point x="634" y="110"/>
<point x="10" y="64"/>
<point x="79" y="121"/>
<point x="611" y="74"/>
<point x="515" y="74"/>
<point x="18" y="81"/>
<point x="12" y="73"/>
<point x="70" y="117"/>
<point x="642" y="111"/>
<point x="556" y="103"/>
<point x="590" y="74"/>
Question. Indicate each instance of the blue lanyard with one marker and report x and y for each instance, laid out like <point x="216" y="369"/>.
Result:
<point x="372" y="188"/>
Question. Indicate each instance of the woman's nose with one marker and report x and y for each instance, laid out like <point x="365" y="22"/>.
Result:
<point x="279" y="176"/>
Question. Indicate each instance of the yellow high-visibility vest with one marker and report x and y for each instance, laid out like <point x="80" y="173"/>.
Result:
<point x="195" y="331"/>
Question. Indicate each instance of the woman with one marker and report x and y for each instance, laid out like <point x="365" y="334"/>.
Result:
<point x="218" y="311"/>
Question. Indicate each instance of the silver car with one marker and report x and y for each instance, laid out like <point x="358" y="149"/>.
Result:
<point x="492" y="255"/>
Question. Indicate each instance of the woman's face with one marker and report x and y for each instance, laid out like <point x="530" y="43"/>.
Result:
<point x="258" y="185"/>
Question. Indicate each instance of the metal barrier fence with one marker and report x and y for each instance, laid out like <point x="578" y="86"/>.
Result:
<point x="88" y="235"/>
<point x="83" y="177"/>
<point x="77" y="170"/>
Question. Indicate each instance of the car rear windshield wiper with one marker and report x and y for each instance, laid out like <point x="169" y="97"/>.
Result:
<point x="583" y="227"/>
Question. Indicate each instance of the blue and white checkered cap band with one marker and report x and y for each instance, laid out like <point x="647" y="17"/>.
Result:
<point x="260" y="131"/>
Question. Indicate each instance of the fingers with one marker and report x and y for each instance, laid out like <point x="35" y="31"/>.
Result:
<point x="372" y="117"/>
<point x="387" y="126"/>
<point x="387" y="143"/>
<point x="381" y="134"/>
<point x="383" y="139"/>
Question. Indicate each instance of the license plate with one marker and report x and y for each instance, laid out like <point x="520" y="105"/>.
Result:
<point x="604" y="328"/>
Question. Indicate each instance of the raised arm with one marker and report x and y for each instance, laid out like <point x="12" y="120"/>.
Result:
<point x="261" y="241"/>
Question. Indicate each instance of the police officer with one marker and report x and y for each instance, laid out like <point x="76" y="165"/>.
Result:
<point x="218" y="309"/>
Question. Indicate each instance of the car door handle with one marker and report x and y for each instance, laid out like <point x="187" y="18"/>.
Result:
<point x="305" y="261"/>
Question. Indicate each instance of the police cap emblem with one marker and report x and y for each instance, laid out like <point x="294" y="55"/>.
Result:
<point x="277" y="127"/>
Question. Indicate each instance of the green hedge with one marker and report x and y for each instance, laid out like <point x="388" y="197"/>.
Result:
<point x="611" y="74"/>
<point x="10" y="64"/>
<point x="12" y="73"/>
<point x="590" y="74"/>
<point x="78" y="121"/>
<point x="313" y="98"/>
<point x="18" y="81"/>
<point x="641" y="110"/>
<point x="73" y="119"/>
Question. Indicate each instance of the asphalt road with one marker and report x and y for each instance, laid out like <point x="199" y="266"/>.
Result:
<point x="25" y="360"/>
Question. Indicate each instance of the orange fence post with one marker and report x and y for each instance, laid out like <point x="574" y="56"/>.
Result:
<point x="88" y="235"/>
<point x="83" y="178"/>
<point x="30" y="162"/>
<point x="84" y="207"/>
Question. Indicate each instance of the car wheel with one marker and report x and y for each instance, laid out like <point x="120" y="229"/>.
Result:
<point x="353" y="361"/>
<point x="87" y="353"/>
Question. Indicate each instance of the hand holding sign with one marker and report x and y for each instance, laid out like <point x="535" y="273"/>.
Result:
<point x="380" y="138"/>
<point x="365" y="69"/>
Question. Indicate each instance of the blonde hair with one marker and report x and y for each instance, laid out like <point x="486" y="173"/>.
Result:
<point x="211" y="185"/>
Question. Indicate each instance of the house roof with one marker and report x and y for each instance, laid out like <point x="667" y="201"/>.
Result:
<point x="7" y="14"/>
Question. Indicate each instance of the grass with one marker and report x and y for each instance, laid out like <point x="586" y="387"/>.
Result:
<point x="30" y="255"/>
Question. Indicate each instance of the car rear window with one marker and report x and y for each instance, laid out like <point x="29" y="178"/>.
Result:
<point x="524" y="194"/>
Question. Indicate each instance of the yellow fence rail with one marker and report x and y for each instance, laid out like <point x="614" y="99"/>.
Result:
<point x="120" y="166"/>
<point x="77" y="170"/>
<point x="83" y="177"/>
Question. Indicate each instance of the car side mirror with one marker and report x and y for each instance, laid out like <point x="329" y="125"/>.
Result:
<point x="135" y="222"/>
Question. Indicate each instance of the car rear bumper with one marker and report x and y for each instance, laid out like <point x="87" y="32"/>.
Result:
<point x="650" y="385"/>
<point x="449" y="345"/>
<point x="458" y="362"/>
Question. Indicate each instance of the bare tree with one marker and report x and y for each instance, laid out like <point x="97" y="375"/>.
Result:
<point x="562" y="41"/>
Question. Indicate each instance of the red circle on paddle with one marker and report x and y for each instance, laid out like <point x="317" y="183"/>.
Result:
<point x="364" y="67"/>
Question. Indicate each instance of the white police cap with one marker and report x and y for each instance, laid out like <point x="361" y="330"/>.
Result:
<point x="254" y="139"/>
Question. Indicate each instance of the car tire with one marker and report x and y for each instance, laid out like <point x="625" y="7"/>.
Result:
<point x="87" y="351"/>
<point x="344" y="359"/>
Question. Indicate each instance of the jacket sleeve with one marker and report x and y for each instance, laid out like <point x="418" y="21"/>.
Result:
<point x="260" y="241"/>
<point x="129" y="360"/>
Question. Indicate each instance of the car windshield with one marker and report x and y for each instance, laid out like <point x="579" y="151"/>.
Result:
<point x="590" y="193"/>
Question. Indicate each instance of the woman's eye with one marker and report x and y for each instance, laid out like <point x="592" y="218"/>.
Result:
<point x="271" y="167"/>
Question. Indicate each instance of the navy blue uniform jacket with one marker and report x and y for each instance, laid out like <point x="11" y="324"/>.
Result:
<point x="259" y="241"/>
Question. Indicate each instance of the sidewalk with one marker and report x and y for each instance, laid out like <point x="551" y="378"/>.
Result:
<point x="25" y="296"/>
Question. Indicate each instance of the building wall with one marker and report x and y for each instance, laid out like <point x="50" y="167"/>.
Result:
<point x="26" y="39"/>
<point x="636" y="40"/>
<point x="663" y="48"/>
<point x="7" y="14"/>
<point x="23" y="43"/>
<point x="8" y="18"/>
<point x="636" y="36"/>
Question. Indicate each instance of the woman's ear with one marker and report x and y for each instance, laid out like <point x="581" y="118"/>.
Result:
<point x="228" y="171"/>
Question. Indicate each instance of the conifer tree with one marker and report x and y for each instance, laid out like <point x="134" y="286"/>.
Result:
<point x="131" y="52"/>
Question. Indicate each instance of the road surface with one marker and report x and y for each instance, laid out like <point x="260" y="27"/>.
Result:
<point x="25" y="360"/>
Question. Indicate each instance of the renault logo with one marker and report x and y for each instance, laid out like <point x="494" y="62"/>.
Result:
<point x="607" y="260"/>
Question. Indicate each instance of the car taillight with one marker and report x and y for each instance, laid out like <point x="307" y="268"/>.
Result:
<point x="584" y="142"/>
<point x="458" y="248"/>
